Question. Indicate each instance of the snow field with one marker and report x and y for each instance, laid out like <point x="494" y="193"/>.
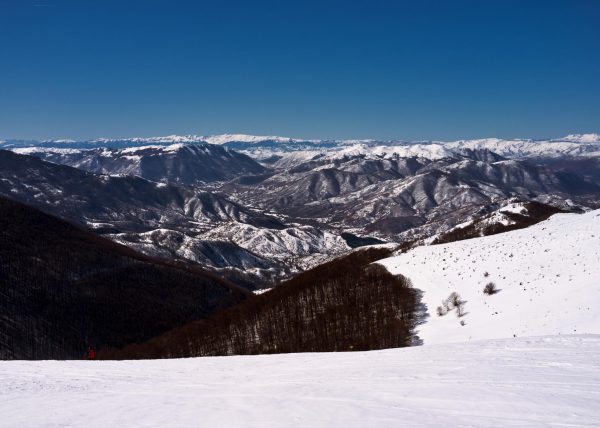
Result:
<point x="548" y="276"/>
<point x="522" y="382"/>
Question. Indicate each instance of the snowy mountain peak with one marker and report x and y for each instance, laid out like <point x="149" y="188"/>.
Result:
<point x="262" y="147"/>
<point x="244" y="138"/>
<point x="582" y="138"/>
<point x="158" y="140"/>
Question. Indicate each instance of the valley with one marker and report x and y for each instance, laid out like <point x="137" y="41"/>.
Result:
<point x="304" y="220"/>
<point x="269" y="207"/>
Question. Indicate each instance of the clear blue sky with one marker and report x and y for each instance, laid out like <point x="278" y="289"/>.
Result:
<point x="324" y="68"/>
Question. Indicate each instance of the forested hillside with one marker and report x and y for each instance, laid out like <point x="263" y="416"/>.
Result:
<point x="344" y="305"/>
<point x="63" y="288"/>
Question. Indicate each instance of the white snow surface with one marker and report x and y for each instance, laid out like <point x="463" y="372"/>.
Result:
<point x="548" y="276"/>
<point x="522" y="382"/>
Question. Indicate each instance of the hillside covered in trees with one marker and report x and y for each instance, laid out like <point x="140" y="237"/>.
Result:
<point x="344" y="305"/>
<point x="63" y="288"/>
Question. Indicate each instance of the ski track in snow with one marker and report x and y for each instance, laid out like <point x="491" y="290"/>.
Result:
<point x="522" y="382"/>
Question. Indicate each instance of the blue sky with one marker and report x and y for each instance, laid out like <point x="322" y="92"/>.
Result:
<point x="329" y="69"/>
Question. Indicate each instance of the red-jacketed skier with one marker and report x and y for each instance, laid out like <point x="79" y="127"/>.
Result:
<point x="91" y="353"/>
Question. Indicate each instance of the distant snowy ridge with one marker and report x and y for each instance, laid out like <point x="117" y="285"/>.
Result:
<point x="212" y="139"/>
<point x="573" y="145"/>
<point x="180" y="162"/>
<point x="582" y="138"/>
<point x="243" y="138"/>
<point x="548" y="276"/>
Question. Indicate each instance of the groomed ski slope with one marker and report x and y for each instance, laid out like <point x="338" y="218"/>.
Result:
<point x="548" y="276"/>
<point x="522" y="382"/>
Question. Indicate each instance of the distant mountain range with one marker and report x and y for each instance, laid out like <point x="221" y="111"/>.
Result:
<point x="175" y="163"/>
<point x="266" y="207"/>
<point x="243" y="141"/>
<point x="186" y="226"/>
<point x="168" y="220"/>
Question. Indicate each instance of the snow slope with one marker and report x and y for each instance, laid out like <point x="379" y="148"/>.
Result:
<point x="544" y="381"/>
<point x="548" y="276"/>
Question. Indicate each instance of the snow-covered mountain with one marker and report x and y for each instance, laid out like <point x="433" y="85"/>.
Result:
<point x="208" y="204"/>
<point x="115" y="143"/>
<point x="570" y="146"/>
<point x="547" y="281"/>
<point x="267" y="146"/>
<point x="574" y="145"/>
<point x="175" y="163"/>
<point x="166" y="219"/>
<point x="400" y="198"/>
<point x="284" y="200"/>
<point x="582" y="138"/>
<point x="118" y="201"/>
<point x="308" y="244"/>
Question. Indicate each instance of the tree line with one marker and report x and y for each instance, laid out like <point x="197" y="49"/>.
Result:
<point x="348" y="304"/>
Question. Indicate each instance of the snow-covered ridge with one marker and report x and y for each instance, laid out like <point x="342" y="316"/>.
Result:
<point x="170" y="148"/>
<point x="243" y="138"/>
<point x="533" y="148"/>
<point x="306" y="245"/>
<point x="212" y="139"/>
<point x="57" y="150"/>
<point x="496" y="217"/>
<point x="263" y="147"/>
<point x="582" y="138"/>
<point x="429" y="151"/>
<point x="548" y="276"/>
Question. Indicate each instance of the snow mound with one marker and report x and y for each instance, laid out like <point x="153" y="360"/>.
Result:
<point x="548" y="276"/>
<point x="511" y="383"/>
